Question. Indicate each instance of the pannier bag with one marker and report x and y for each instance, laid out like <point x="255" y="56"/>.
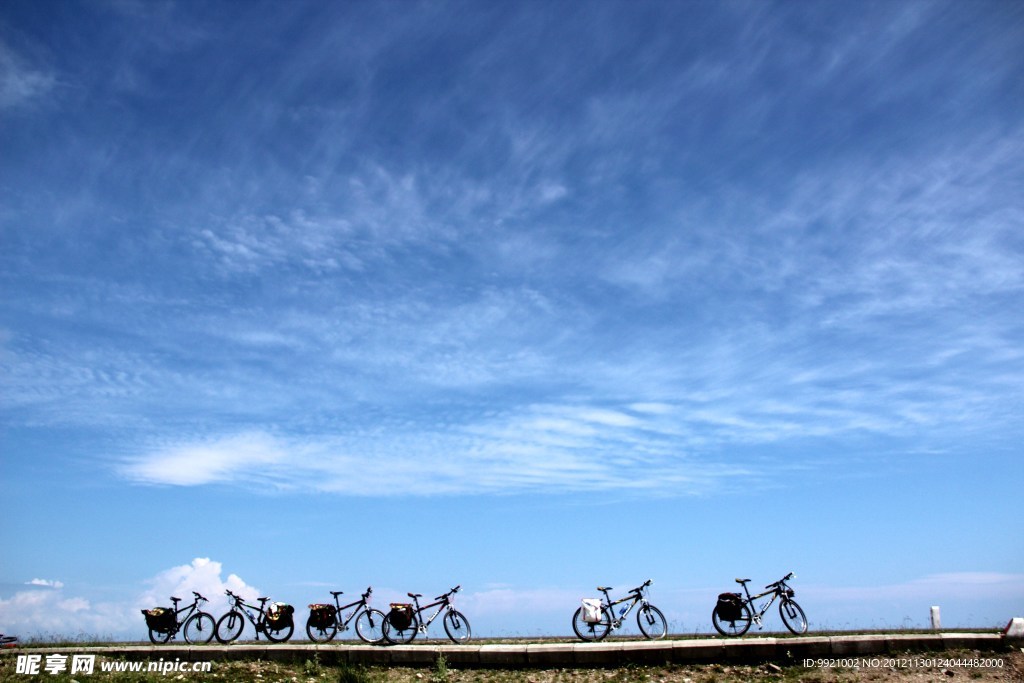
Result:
<point x="730" y="606"/>
<point x="280" y="615"/>
<point x="159" y="618"/>
<point x="400" y="616"/>
<point x="591" y="610"/>
<point x="321" y="616"/>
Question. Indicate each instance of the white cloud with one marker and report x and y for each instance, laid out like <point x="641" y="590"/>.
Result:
<point x="229" y="459"/>
<point x="49" y="613"/>
<point x="45" y="582"/>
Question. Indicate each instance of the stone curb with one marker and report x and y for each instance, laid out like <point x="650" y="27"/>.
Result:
<point x="559" y="655"/>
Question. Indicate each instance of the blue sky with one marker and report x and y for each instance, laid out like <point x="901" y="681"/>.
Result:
<point x="531" y="297"/>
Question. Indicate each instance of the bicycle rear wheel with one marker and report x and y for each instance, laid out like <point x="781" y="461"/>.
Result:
<point x="199" y="628"/>
<point x="732" y="627"/>
<point x="159" y="637"/>
<point x="591" y="631"/>
<point x="457" y="627"/>
<point x="793" y="616"/>
<point x="400" y="636"/>
<point x="230" y="627"/>
<point x="320" y="631"/>
<point x="652" y="622"/>
<point x="281" y="633"/>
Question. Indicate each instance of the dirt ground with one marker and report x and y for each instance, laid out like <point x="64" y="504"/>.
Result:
<point x="966" y="666"/>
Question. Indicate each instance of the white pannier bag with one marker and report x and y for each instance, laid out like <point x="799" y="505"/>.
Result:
<point x="591" y="610"/>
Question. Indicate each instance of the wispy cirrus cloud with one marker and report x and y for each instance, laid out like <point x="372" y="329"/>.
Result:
<point x="21" y="84"/>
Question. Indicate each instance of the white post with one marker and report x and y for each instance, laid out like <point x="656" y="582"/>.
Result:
<point x="936" y="622"/>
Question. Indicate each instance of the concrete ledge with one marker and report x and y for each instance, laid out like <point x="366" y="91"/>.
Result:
<point x="694" y="651"/>
<point x="913" y="642"/>
<point x="750" y="650"/>
<point x="596" y="654"/>
<point x="808" y="647"/>
<point x="507" y="656"/>
<point x="558" y="655"/>
<point x="857" y="645"/>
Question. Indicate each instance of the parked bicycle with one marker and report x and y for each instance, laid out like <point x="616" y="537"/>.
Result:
<point x="733" y="614"/>
<point x="403" y="622"/>
<point x="197" y="626"/>
<point x="276" y="623"/>
<point x="326" y="620"/>
<point x="594" y="619"/>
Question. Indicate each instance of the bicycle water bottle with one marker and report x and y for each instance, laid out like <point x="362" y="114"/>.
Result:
<point x="622" y="610"/>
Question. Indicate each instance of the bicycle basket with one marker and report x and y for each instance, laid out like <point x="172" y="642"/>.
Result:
<point x="159" y="618"/>
<point x="790" y="592"/>
<point x="730" y="606"/>
<point x="280" y="615"/>
<point x="400" y="616"/>
<point x="591" y="610"/>
<point x="321" y="616"/>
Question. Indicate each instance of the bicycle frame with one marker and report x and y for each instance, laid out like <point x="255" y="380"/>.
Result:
<point x="339" y="618"/>
<point x="189" y="610"/>
<point x="445" y="603"/>
<point x="633" y="599"/>
<point x="776" y="590"/>
<point x="243" y="608"/>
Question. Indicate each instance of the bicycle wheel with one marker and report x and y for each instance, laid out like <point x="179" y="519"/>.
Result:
<point x="370" y="626"/>
<point x="591" y="631"/>
<point x="652" y="622"/>
<point x="281" y="633"/>
<point x="399" y="636"/>
<point x="159" y="637"/>
<point x="732" y="627"/>
<point x="319" y="632"/>
<point x="793" y="616"/>
<point x="457" y="627"/>
<point x="199" y="628"/>
<point x="229" y="627"/>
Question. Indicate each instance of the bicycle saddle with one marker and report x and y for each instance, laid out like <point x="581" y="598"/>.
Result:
<point x="742" y="580"/>
<point x="415" y="595"/>
<point x="174" y="599"/>
<point x="264" y="599"/>
<point x="336" y="593"/>
<point x="602" y="588"/>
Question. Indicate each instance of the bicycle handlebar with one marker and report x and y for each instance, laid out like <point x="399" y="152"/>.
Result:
<point x="781" y="581"/>
<point x="451" y="592"/>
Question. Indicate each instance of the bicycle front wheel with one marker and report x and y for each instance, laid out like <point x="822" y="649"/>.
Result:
<point x="732" y="625"/>
<point x="199" y="628"/>
<point x="457" y="627"/>
<point x="652" y="622"/>
<point x="591" y="630"/>
<point x="793" y="616"/>
<point x="370" y="626"/>
<point x="230" y="627"/>
<point x="400" y="636"/>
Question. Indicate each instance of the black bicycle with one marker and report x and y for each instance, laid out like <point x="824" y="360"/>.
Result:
<point x="403" y="622"/>
<point x="733" y="614"/>
<point x="197" y="626"/>
<point x="276" y="623"/>
<point x="594" y="618"/>
<point x="326" y="620"/>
